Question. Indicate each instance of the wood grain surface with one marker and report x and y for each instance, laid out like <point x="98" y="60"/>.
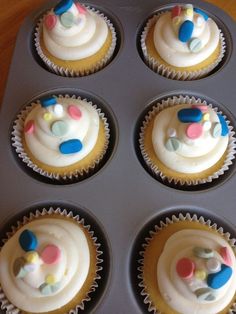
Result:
<point x="13" y="13"/>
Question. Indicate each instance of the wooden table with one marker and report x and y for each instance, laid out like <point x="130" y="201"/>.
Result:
<point x="13" y="13"/>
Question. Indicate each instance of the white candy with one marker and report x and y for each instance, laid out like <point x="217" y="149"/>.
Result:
<point x="58" y="110"/>
<point x="206" y="125"/>
<point x="213" y="265"/>
<point x="171" y="132"/>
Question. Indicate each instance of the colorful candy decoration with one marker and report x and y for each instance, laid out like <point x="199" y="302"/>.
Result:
<point x="67" y="19"/>
<point x="189" y="115"/>
<point x="203" y="252"/>
<point x="195" y="44"/>
<point x="194" y="130"/>
<point x="48" y="101"/>
<point x="28" y="240"/>
<point x="198" y="19"/>
<point x="50" y="279"/>
<point x="224" y="125"/>
<point x="216" y="130"/>
<point x="185" y="31"/>
<point x="204" y="294"/>
<point x="80" y="8"/>
<point x="219" y="279"/>
<point x="172" y="144"/>
<point x="47" y="116"/>
<point x="59" y="128"/>
<point x="50" y="21"/>
<point x="47" y="289"/>
<point x="213" y="265"/>
<point x="189" y="10"/>
<point x="18" y="268"/>
<point x="185" y="268"/>
<point x="71" y="146"/>
<point x="29" y="127"/>
<point x="58" y="110"/>
<point x="51" y="254"/>
<point x="224" y="252"/>
<point x="199" y="11"/>
<point x="200" y="274"/>
<point x="63" y="6"/>
<point x="176" y="11"/>
<point x="171" y="132"/>
<point x="32" y="257"/>
<point x="74" y="112"/>
<point x="206" y="125"/>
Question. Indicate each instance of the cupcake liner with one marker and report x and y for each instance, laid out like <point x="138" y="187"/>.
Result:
<point x="164" y="224"/>
<point x="5" y="303"/>
<point x="167" y="71"/>
<point x="17" y="143"/>
<point x="230" y="152"/>
<point x="69" y="72"/>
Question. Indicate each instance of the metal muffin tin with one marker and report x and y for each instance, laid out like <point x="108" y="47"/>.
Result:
<point x="122" y="201"/>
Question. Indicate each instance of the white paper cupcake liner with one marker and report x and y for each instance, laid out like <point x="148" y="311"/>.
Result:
<point x="6" y="304"/>
<point x="168" y="71"/>
<point x="158" y="228"/>
<point x="69" y="72"/>
<point x="17" y="143"/>
<point x="176" y="100"/>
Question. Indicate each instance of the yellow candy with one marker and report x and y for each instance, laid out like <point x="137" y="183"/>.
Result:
<point x="200" y="274"/>
<point x="47" y="116"/>
<point x="206" y="117"/>
<point x="189" y="12"/>
<point x="32" y="257"/>
<point x="50" y="279"/>
<point x="176" y="20"/>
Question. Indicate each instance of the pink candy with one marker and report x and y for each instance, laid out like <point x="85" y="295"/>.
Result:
<point x="203" y="108"/>
<point x="74" y="112"/>
<point x="224" y="252"/>
<point x="185" y="268"/>
<point x="29" y="128"/>
<point x="194" y="130"/>
<point x="80" y="8"/>
<point x="50" y="21"/>
<point x="176" y="11"/>
<point x="51" y="254"/>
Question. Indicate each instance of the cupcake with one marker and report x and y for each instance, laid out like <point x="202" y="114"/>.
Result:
<point x="48" y="264"/>
<point x="186" y="141"/>
<point x="74" y="40"/>
<point x="61" y="137"/>
<point x="188" y="265"/>
<point x="182" y="43"/>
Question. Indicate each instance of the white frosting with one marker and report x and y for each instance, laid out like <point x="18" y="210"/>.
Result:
<point x="71" y="271"/>
<point x="175" y="291"/>
<point x="193" y="156"/>
<point x="177" y="53"/>
<point x="44" y="145"/>
<point x="83" y="39"/>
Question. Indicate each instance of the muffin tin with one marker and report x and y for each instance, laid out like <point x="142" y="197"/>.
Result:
<point x="122" y="201"/>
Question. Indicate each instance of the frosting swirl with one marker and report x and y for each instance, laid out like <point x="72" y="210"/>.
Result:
<point x="62" y="133"/>
<point x="192" y="145"/>
<point x="69" y="269"/>
<point x="180" y="293"/>
<point x="186" y="36"/>
<point x="76" y="34"/>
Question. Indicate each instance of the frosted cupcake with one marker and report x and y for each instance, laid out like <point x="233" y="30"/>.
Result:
<point x="183" y="43"/>
<point x="49" y="264"/>
<point x="188" y="265"/>
<point x="186" y="141"/>
<point x="74" y="40"/>
<point x="61" y="137"/>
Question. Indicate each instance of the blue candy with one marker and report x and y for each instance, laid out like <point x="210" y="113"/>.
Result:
<point x="190" y="115"/>
<point x="28" y="241"/>
<point x="199" y="11"/>
<point x="70" y="147"/>
<point x="219" y="279"/>
<point x="63" y="6"/>
<point x="48" y="101"/>
<point x="185" y="31"/>
<point x="224" y="125"/>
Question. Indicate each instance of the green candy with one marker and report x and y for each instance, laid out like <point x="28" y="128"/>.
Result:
<point x="204" y="294"/>
<point x="45" y="289"/>
<point x="203" y="252"/>
<point x="59" y="128"/>
<point x="55" y="287"/>
<point x="195" y="44"/>
<point x="172" y="144"/>
<point x="217" y="129"/>
<point x="18" y="268"/>
<point x="67" y="19"/>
